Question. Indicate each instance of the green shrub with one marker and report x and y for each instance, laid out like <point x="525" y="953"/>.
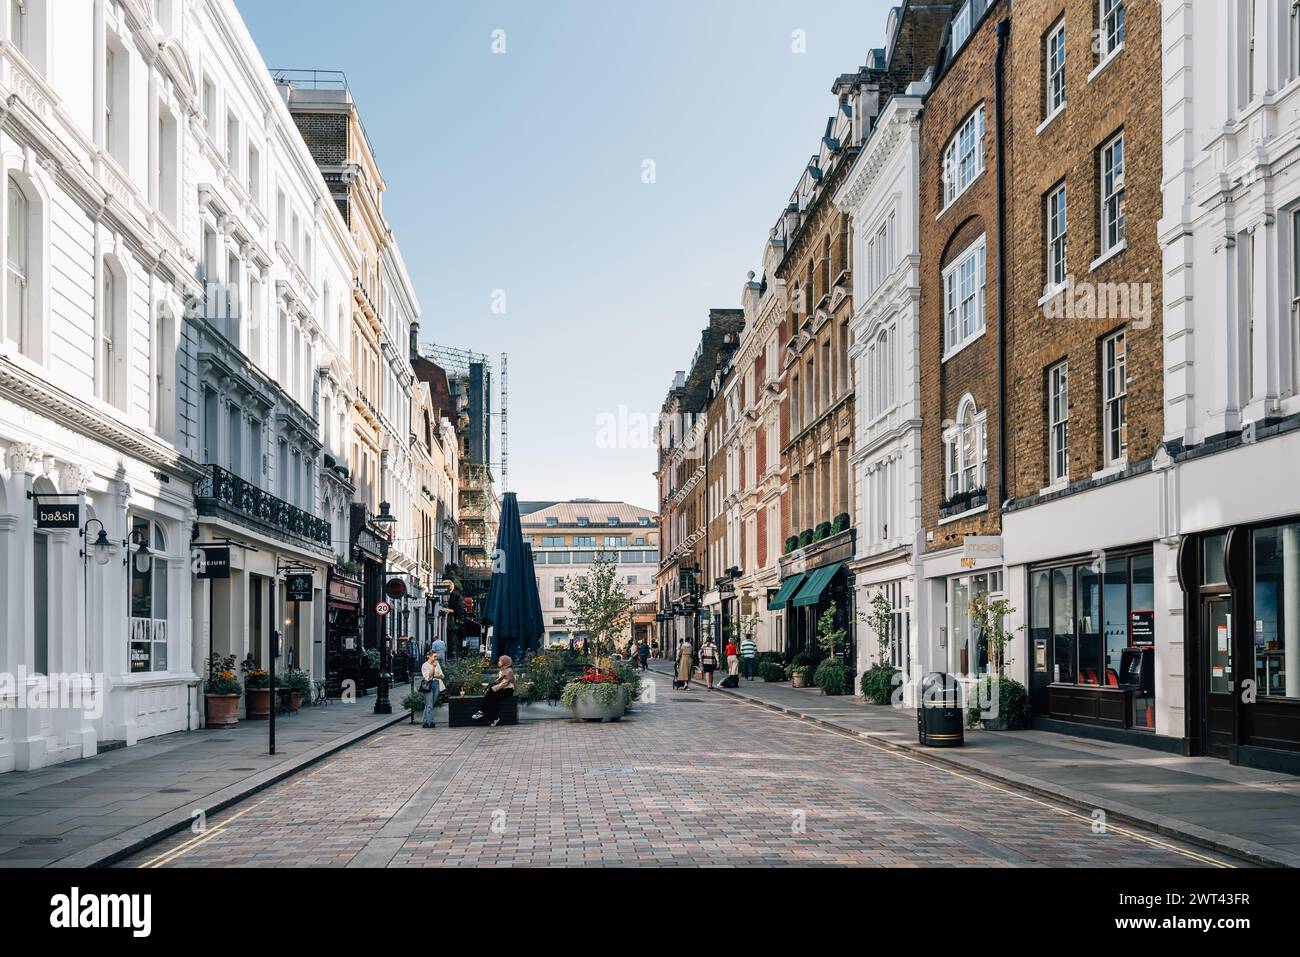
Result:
<point x="771" y="671"/>
<point x="603" y="693"/>
<point x="791" y="544"/>
<point x="801" y="660"/>
<point x="841" y="522"/>
<point x="878" y="683"/>
<point x="414" y="701"/>
<point x="1013" y="702"/>
<point x="631" y="675"/>
<point x="823" y="529"/>
<point x="546" y="673"/>
<point x="465" y="674"/>
<point x="805" y="538"/>
<point x="833" y="678"/>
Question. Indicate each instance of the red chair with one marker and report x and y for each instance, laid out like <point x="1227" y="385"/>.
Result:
<point x="1112" y="679"/>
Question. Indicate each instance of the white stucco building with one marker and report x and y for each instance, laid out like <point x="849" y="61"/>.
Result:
<point x="880" y="194"/>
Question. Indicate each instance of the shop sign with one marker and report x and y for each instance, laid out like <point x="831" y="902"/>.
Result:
<point x="369" y="543"/>
<point x="53" y="515"/>
<point x="212" y="563"/>
<point x="395" y="588"/>
<point x="342" y="590"/>
<point x="298" y="587"/>
<point x="1142" y="628"/>
<point x="976" y="548"/>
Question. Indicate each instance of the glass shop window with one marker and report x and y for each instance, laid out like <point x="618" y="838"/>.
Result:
<point x="1276" y="630"/>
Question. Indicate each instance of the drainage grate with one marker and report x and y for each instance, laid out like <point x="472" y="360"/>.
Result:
<point x="31" y="841"/>
<point x="174" y="791"/>
<point x="241" y="769"/>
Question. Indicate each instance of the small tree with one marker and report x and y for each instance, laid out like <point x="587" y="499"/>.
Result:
<point x="829" y="635"/>
<point x="990" y="615"/>
<point x="600" y="606"/>
<point x="881" y="620"/>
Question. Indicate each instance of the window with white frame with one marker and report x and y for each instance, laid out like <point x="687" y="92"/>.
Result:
<point x="148" y="596"/>
<point x="1114" y="357"/>
<point x="116" y="99"/>
<point x="1295" y="299"/>
<point x="1054" y="64"/>
<point x="963" y="283"/>
<point x="1058" y="421"/>
<point x="963" y="157"/>
<point x="17" y="259"/>
<point x="1111" y="33"/>
<point x="210" y="108"/>
<point x="1056" y="237"/>
<point x="1112" y="193"/>
<point x="961" y="27"/>
<point x="965" y="450"/>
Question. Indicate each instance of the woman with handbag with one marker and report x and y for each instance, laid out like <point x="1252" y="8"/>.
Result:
<point x="431" y="686"/>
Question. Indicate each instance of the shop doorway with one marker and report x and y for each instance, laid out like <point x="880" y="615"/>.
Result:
<point x="1217" y="674"/>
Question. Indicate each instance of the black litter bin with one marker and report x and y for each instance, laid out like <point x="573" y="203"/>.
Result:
<point x="939" y="718"/>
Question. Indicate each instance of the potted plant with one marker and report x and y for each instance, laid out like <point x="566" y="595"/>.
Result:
<point x="221" y="692"/>
<point x="631" y="676"/>
<point x="413" y="702"/>
<point x="771" y="671"/>
<point x="800" y="671"/>
<point x="257" y="690"/>
<point x="878" y="681"/>
<point x="599" y="605"/>
<point x="988" y="618"/>
<point x="831" y="676"/>
<point x="595" y="696"/>
<point x="297" y="684"/>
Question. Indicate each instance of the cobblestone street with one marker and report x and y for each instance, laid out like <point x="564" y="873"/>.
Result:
<point x="696" y="779"/>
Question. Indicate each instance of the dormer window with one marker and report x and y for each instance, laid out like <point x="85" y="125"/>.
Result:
<point x="552" y="521"/>
<point x="612" y="521"/>
<point x="961" y="27"/>
<point x="583" y="521"/>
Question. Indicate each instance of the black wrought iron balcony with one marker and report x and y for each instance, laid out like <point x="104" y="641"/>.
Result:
<point x="223" y="493"/>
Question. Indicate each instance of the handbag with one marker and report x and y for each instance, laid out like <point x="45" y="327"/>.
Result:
<point x="425" y="687"/>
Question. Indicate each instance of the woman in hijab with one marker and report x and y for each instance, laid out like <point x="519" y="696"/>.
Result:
<point x="504" y="687"/>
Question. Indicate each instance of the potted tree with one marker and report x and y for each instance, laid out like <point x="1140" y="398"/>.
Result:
<point x="801" y="670"/>
<point x="221" y="692"/>
<point x="831" y="676"/>
<point x="1006" y="697"/>
<point x="878" y="680"/>
<point x="600" y="606"/>
<point x="257" y="690"/>
<point x="297" y="685"/>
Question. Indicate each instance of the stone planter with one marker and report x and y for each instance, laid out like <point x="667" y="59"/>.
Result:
<point x="222" y="710"/>
<point x="257" y="702"/>
<point x="799" y="679"/>
<point x="585" y="707"/>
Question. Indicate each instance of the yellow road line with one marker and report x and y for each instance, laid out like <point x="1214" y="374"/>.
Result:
<point x="895" y="752"/>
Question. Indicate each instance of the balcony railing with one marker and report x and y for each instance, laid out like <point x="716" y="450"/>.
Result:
<point x="222" y="491"/>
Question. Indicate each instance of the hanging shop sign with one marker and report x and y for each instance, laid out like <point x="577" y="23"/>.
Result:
<point x="977" y="548"/>
<point x="298" y="587"/>
<point x="395" y="588"/>
<point x="345" y="591"/>
<point x="211" y="563"/>
<point x="58" y="514"/>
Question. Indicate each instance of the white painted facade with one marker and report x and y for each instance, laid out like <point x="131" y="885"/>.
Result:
<point x="880" y="194"/>
<point x="94" y="363"/>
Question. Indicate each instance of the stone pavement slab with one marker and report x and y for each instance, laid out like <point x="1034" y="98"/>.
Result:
<point x="89" y="812"/>
<point x="1243" y="811"/>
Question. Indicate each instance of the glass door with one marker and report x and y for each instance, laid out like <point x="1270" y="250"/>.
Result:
<point x="1219" y="679"/>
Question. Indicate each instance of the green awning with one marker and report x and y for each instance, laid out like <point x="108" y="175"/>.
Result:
<point x="788" y="588"/>
<point x="818" y="579"/>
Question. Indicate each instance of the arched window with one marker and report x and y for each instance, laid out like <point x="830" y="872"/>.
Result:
<point x="965" y="450"/>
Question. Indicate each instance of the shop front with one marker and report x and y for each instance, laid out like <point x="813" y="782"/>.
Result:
<point x="1241" y="587"/>
<point x="343" y="632"/>
<point x="1091" y="639"/>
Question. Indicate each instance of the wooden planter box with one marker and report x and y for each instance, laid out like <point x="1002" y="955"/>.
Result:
<point x="461" y="711"/>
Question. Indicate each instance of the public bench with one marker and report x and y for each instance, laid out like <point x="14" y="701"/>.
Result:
<point x="461" y="711"/>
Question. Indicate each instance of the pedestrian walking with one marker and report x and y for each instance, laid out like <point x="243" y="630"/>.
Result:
<point x="748" y="652"/>
<point x="733" y="657"/>
<point x="685" y="664"/>
<point x="432" y="686"/>
<point x="644" y="654"/>
<point x="708" y="661"/>
<point x="440" y="647"/>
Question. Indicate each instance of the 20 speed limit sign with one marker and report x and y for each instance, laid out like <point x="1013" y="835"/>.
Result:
<point x="381" y="608"/>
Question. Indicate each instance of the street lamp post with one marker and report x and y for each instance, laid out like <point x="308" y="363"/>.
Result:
<point x="382" y="704"/>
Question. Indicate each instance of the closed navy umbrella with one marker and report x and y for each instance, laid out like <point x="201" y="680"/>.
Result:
<point x="513" y="606"/>
<point x="537" y="626"/>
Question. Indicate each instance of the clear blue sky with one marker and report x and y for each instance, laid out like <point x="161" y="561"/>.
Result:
<point x="523" y="171"/>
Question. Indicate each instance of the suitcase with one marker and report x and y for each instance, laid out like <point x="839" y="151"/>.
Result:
<point x="731" y="681"/>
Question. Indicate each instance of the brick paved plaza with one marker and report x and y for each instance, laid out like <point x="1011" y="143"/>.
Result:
<point x="696" y="779"/>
